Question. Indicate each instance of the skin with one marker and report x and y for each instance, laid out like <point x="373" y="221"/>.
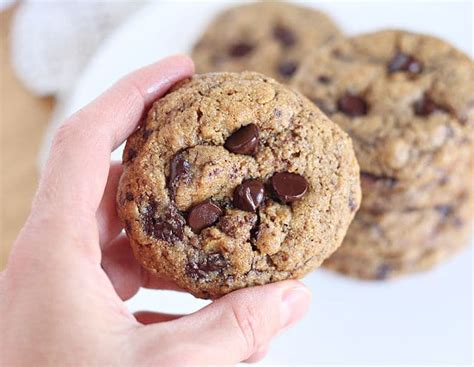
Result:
<point x="70" y="269"/>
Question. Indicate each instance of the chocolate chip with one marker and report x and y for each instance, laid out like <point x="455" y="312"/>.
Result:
<point x="444" y="210"/>
<point x="211" y="263"/>
<point x="287" y="68"/>
<point x="168" y="228"/>
<point x="249" y="195"/>
<point x="352" y="204"/>
<point x="289" y="187"/>
<point x="132" y="153"/>
<point x="244" y="140"/>
<point x="352" y="105"/>
<point x="425" y="106"/>
<point x="324" y="79"/>
<point x="129" y="196"/>
<point x="240" y="49"/>
<point x="179" y="169"/>
<point x="284" y="35"/>
<point x="203" y="215"/>
<point x="404" y="62"/>
<point x="383" y="271"/>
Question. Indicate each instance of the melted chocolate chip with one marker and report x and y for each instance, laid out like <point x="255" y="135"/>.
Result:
<point x="425" y="106"/>
<point x="404" y="62"/>
<point x="179" y="169"/>
<point x="249" y="195"/>
<point x="287" y="68"/>
<point x="129" y="196"/>
<point x="200" y="269"/>
<point x="240" y="49"/>
<point x="352" y="105"/>
<point x="203" y="215"/>
<point x="167" y="228"/>
<point x="244" y="140"/>
<point x="444" y="210"/>
<point x="383" y="271"/>
<point x="132" y="153"/>
<point x="370" y="179"/>
<point x="352" y="204"/>
<point x="288" y="187"/>
<point x="284" y="35"/>
<point x="324" y="79"/>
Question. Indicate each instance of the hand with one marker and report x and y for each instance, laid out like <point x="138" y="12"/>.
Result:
<point x="62" y="293"/>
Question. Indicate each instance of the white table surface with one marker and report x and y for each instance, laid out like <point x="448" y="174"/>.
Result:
<point x="422" y="319"/>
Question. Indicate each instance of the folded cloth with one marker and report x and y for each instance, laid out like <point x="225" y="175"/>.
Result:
<point x="52" y="41"/>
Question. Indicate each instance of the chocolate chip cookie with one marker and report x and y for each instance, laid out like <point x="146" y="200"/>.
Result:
<point x="407" y="101"/>
<point x="268" y="37"/>
<point x="234" y="180"/>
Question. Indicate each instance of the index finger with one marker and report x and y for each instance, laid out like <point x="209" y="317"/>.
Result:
<point x="76" y="171"/>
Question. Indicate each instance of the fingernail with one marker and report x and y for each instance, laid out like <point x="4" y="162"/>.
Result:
<point x="295" y="303"/>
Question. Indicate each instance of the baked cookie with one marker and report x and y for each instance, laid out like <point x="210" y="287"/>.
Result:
<point x="233" y="181"/>
<point x="268" y="37"/>
<point x="384" y="194"/>
<point x="407" y="101"/>
<point x="389" y="244"/>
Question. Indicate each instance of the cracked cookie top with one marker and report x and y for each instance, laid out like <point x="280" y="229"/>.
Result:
<point x="407" y="101"/>
<point x="268" y="37"/>
<point x="234" y="180"/>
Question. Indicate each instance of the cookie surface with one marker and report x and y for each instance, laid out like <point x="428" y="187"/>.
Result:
<point x="407" y="101"/>
<point x="269" y="37"/>
<point x="233" y="181"/>
<point x="393" y="243"/>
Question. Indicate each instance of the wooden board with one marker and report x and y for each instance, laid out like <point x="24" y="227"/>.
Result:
<point x="23" y="119"/>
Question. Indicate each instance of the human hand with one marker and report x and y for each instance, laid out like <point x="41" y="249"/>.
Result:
<point x="71" y="268"/>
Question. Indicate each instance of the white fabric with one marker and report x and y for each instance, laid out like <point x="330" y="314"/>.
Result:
<point x="52" y="40"/>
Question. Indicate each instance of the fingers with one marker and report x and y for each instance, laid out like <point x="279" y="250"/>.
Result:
<point x="125" y="273"/>
<point x="77" y="168"/>
<point x="258" y="355"/>
<point x="107" y="219"/>
<point x="147" y="317"/>
<point x="230" y="330"/>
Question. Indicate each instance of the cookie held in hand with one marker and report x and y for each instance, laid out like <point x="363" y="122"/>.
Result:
<point x="234" y="180"/>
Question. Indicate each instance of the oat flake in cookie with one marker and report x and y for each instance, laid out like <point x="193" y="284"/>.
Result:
<point x="270" y="37"/>
<point x="234" y="181"/>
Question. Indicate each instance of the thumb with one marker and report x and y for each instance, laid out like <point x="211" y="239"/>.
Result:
<point x="230" y="329"/>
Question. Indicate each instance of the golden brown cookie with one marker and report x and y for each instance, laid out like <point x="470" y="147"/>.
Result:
<point x="268" y="37"/>
<point x="406" y="100"/>
<point x="233" y="181"/>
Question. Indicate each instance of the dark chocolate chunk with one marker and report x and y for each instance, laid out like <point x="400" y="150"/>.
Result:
<point x="352" y="105"/>
<point x="168" y="228"/>
<point x="129" y="196"/>
<point x="284" y="35"/>
<point x="289" y="187"/>
<point x="132" y="153"/>
<point x="425" y="106"/>
<point x="324" y="79"/>
<point x="249" y="195"/>
<point x="383" y="271"/>
<point x="211" y="263"/>
<point x="203" y="215"/>
<point x="240" y="49"/>
<point x="404" y="62"/>
<point x="244" y="140"/>
<point x="179" y="169"/>
<point x="287" y="68"/>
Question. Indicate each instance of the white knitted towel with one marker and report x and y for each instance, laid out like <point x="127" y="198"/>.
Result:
<point x="52" y="40"/>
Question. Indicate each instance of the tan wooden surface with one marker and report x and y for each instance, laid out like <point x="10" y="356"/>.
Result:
<point x="23" y="119"/>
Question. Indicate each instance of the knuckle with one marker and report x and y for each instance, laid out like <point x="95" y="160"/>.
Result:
<point x="248" y="324"/>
